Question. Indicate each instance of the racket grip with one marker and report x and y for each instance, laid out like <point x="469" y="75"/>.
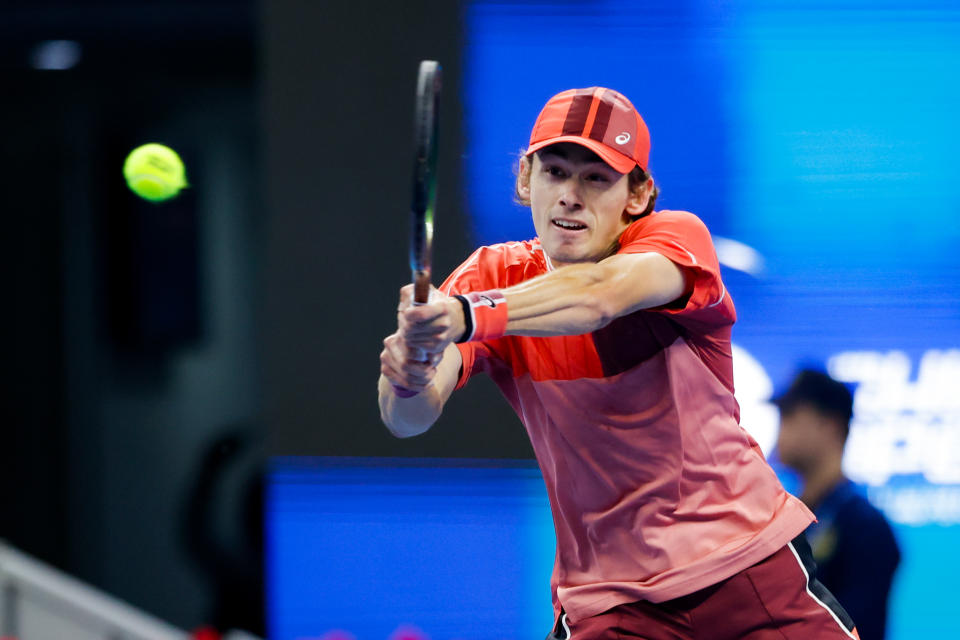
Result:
<point x="421" y="295"/>
<point x="421" y="286"/>
<point x="402" y="392"/>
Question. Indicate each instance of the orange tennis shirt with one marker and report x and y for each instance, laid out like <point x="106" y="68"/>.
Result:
<point x="656" y="490"/>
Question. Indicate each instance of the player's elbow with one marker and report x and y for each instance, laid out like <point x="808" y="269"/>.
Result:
<point x="404" y="433"/>
<point x="402" y="429"/>
<point x="394" y="422"/>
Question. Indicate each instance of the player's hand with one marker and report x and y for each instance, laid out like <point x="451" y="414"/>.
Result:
<point x="431" y="326"/>
<point x="412" y="364"/>
<point x="407" y="367"/>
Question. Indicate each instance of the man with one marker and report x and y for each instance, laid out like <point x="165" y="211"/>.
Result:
<point x="609" y="334"/>
<point x="852" y="543"/>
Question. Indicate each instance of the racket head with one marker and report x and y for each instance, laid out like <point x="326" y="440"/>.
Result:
<point x="426" y="125"/>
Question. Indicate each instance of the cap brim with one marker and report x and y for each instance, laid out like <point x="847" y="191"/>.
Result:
<point x="620" y="162"/>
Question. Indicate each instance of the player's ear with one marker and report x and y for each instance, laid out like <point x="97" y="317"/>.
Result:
<point x="523" y="179"/>
<point x="639" y="197"/>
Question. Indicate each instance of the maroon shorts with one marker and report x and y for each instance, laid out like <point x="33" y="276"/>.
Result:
<point x="776" y="599"/>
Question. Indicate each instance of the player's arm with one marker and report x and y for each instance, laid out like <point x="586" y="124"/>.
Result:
<point x="434" y="382"/>
<point x="572" y="300"/>
<point x="581" y="298"/>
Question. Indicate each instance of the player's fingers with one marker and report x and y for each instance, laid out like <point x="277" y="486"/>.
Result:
<point x="416" y="354"/>
<point x="412" y="375"/>
<point x="400" y="352"/>
<point x="426" y="320"/>
<point x="389" y="366"/>
<point x="404" y="372"/>
<point x="403" y="355"/>
<point x="427" y="331"/>
<point x="396" y="350"/>
<point x="418" y="334"/>
<point x="422" y="376"/>
<point x="429" y="342"/>
<point x="406" y="297"/>
<point x="433" y="341"/>
<point x="423" y="314"/>
<point x="400" y="379"/>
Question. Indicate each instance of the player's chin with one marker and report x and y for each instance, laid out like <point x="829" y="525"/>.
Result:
<point x="568" y="249"/>
<point x="568" y="255"/>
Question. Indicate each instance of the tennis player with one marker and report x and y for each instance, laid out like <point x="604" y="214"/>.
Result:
<point x="609" y="334"/>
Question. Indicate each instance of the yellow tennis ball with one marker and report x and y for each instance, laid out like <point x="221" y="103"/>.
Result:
<point x="154" y="172"/>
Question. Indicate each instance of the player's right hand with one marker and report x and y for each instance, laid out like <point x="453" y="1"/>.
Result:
<point x="405" y="366"/>
<point x="430" y="326"/>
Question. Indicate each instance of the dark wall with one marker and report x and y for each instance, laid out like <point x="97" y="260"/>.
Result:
<point x="32" y="448"/>
<point x="104" y="424"/>
<point x="339" y="82"/>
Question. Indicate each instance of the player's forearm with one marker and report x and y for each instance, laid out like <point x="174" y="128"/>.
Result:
<point x="411" y="416"/>
<point x="406" y="417"/>
<point x="568" y="301"/>
<point x="585" y="297"/>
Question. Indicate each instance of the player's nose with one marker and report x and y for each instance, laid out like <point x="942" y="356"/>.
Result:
<point x="570" y="197"/>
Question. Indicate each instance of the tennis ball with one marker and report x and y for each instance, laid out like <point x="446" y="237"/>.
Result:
<point x="154" y="172"/>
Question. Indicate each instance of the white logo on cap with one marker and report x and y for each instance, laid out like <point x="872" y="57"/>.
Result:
<point x="623" y="138"/>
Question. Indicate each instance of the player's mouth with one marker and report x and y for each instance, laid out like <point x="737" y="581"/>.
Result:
<point x="568" y="225"/>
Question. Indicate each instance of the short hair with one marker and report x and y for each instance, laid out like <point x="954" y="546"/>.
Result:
<point x="819" y="391"/>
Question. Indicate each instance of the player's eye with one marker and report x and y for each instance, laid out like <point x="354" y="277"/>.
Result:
<point x="597" y="177"/>
<point x="555" y="171"/>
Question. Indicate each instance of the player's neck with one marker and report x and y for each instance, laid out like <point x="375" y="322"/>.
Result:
<point x="820" y="480"/>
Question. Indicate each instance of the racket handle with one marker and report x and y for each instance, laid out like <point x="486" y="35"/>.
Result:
<point x="421" y="286"/>
<point x="421" y="295"/>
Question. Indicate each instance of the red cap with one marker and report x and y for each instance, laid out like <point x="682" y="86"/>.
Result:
<point x="602" y="120"/>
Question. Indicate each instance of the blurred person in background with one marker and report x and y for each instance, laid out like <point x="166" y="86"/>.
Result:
<point x="852" y="543"/>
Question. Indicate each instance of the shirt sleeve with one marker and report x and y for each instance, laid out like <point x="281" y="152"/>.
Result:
<point x="477" y="356"/>
<point x="684" y="239"/>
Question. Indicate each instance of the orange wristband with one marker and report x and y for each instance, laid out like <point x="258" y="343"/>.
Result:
<point x="485" y="314"/>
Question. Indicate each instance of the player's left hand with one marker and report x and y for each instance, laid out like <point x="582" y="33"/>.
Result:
<point x="431" y="326"/>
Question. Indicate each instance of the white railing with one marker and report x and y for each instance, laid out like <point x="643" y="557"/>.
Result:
<point x="37" y="602"/>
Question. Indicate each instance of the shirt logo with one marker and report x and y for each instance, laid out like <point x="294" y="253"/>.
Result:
<point x="623" y="138"/>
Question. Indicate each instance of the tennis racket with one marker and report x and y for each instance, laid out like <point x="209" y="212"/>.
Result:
<point x="426" y="124"/>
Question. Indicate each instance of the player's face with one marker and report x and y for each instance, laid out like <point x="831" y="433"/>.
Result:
<point x="580" y="204"/>
<point x="804" y="439"/>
